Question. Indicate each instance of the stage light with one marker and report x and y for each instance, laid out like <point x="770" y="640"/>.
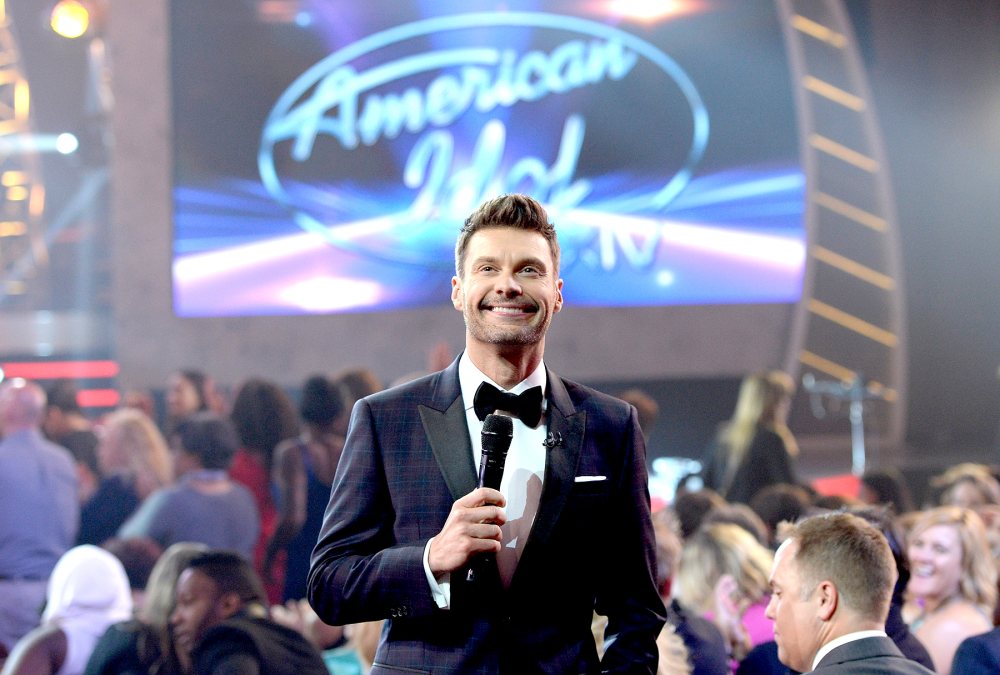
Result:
<point x="70" y="18"/>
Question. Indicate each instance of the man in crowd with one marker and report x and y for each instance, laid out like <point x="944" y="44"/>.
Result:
<point x="220" y="618"/>
<point x="569" y="527"/>
<point x="39" y="508"/>
<point x="831" y="585"/>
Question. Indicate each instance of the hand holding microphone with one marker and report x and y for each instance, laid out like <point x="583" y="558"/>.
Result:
<point x="473" y="526"/>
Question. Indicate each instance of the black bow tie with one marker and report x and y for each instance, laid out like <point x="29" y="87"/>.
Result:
<point x="527" y="405"/>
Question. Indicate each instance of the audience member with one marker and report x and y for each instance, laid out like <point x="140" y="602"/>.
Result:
<point x="705" y="645"/>
<point x="39" y="509"/>
<point x="87" y="592"/>
<point x="189" y="391"/>
<point x="778" y="504"/>
<point x="978" y="654"/>
<point x="65" y="424"/>
<point x="356" y="383"/>
<point x="885" y="487"/>
<point x="645" y="405"/>
<point x="742" y="515"/>
<point x="836" y="503"/>
<point x="263" y="416"/>
<point x="220" y="618"/>
<point x="134" y="461"/>
<point x="204" y="505"/>
<point x="754" y="449"/>
<point x="145" y="644"/>
<point x="303" y="475"/>
<point x="967" y="485"/>
<point x="723" y="576"/>
<point x="953" y="583"/>
<point x="692" y="507"/>
<point x="137" y="555"/>
<point x="831" y="586"/>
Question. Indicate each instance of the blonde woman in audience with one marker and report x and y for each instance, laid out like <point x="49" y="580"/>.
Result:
<point x="968" y="485"/>
<point x="754" y="449"/>
<point x="134" y="461"/>
<point x="953" y="584"/>
<point x="723" y="575"/>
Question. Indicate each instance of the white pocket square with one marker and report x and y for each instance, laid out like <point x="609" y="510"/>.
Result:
<point x="589" y="479"/>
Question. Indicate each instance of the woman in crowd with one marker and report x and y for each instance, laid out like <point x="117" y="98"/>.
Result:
<point x="263" y="416"/>
<point x="204" y="505"/>
<point x="723" y="575"/>
<point x="145" y="644"/>
<point x="87" y="592"/>
<point x="134" y="461"/>
<point x="885" y="487"/>
<point x="303" y="474"/>
<point x="754" y="448"/>
<point x="968" y="485"/>
<point x="189" y="391"/>
<point x="953" y="581"/>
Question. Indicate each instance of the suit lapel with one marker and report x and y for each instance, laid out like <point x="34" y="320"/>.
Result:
<point x="447" y="432"/>
<point x="560" y="464"/>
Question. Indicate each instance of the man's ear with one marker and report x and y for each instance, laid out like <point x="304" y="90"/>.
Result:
<point x="559" y="296"/>
<point x="827" y="599"/>
<point x="229" y="604"/>
<point x="456" y="293"/>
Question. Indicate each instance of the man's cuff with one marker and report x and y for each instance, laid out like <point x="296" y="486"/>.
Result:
<point x="440" y="586"/>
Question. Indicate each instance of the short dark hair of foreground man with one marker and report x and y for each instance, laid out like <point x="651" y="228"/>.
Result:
<point x="220" y="616"/>
<point x="831" y="585"/>
<point x="569" y="528"/>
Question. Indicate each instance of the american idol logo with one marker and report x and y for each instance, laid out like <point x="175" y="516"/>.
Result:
<point x="384" y="146"/>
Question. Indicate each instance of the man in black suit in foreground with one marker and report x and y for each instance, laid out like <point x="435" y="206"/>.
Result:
<point x="831" y="584"/>
<point x="569" y="530"/>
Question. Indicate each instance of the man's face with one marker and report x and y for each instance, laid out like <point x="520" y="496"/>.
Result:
<point x="198" y="607"/>
<point x="508" y="290"/>
<point x="796" y="623"/>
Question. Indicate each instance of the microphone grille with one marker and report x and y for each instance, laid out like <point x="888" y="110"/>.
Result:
<point x="501" y="425"/>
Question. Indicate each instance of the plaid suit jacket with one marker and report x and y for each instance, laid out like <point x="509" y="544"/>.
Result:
<point x="408" y="458"/>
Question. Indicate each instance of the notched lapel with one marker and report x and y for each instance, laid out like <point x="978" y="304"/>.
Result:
<point x="448" y="434"/>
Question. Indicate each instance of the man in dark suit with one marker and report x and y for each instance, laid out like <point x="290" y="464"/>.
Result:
<point x="978" y="654"/>
<point x="567" y="534"/>
<point x="831" y="584"/>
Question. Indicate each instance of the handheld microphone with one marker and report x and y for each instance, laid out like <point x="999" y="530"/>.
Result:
<point x="498" y="432"/>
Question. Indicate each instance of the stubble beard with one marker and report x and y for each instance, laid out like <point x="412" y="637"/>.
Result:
<point x="507" y="336"/>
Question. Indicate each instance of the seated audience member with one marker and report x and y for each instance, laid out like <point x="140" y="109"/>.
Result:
<point x="39" y="509"/>
<point x="65" y="424"/>
<point x="138" y="556"/>
<point x="145" y="644"/>
<point x="706" y="647"/>
<point x="263" y="416"/>
<point x="742" y="515"/>
<point x="88" y="591"/>
<point x="831" y="585"/>
<point x="205" y="505"/>
<point x="692" y="506"/>
<point x="220" y="618"/>
<point x="134" y="462"/>
<point x="953" y="581"/>
<point x="723" y="577"/>
<point x="303" y="475"/>
<point x="778" y="504"/>
<point x="885" y="487"/>
<point x="754" y="448"/>
<point x="968" y="485"/>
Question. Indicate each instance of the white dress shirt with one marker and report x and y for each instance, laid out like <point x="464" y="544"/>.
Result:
<point x="523" y="476"/>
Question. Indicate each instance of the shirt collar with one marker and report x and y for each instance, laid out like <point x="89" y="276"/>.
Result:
<point x="470" y="377"/>
<point x="843" y="640"/>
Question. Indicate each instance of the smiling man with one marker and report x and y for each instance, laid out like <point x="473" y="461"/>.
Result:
<point x="831" y="585"/>
<point x="568" y="532"/>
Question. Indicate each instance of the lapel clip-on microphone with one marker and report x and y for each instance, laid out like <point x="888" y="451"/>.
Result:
<point x="553" y="439"/>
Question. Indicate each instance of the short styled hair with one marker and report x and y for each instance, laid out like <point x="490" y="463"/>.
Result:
<point x="232" y="573"/>
<point x="520" y="212"/>
<point x="210" y="438"/>
<point x="851" y="553"/>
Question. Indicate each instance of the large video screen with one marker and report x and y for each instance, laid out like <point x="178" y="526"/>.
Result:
<point x="327" y="152"/>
